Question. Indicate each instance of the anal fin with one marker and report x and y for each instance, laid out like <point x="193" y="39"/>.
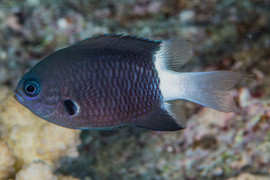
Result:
<point x="164" y="118"/>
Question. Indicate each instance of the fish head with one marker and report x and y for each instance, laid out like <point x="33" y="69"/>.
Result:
<point x="39" y="91"/>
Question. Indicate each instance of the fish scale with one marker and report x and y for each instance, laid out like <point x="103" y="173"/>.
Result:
<point x="118" y="99"/>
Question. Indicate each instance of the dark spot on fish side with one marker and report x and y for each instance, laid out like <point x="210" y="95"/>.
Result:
<point x="70" y="107"/>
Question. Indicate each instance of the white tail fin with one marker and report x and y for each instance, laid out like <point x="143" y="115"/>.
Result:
<point x="209" y="89"/>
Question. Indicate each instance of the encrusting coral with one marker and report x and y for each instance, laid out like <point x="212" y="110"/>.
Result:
<point x="36" y="170"/>
<point x="39" y="170"/>
<point x="7" y="161"/>
<point x="30" y="138"/>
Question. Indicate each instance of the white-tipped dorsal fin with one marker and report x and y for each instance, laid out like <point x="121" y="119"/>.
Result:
<point x="173" y="54"/>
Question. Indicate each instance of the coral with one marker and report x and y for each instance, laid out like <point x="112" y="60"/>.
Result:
<point x="36" y="170"/>
<point x="32" y="138"/>
<point x="7" y="161"/>
<point x="40" y="170"/>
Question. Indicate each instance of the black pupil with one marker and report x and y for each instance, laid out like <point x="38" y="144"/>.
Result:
<point x="31" y="88"/>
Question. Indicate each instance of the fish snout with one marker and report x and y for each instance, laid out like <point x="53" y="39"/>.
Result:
<point x="18" y="97"/>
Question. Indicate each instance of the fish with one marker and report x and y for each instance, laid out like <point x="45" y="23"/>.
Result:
<point x="114" y="80"/>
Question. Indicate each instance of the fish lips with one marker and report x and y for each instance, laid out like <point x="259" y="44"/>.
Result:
<point x="18" y="97"/>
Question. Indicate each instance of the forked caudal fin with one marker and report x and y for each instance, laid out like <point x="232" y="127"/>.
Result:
<point x="209" y="89"/>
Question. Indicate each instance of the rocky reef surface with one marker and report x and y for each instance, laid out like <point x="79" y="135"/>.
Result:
<point x="225" y="35"/>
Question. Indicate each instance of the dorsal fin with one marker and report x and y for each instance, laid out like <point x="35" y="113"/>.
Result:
<point x="120" y="42"/>
<point x="173" y="53"/>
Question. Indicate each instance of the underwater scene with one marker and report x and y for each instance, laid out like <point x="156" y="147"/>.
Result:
<point x="134" y="90"/>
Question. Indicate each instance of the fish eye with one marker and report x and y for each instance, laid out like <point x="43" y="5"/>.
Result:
<point x="31" y="88"/>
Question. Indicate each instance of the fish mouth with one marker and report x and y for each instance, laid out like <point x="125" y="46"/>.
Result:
<point x="18" y="97"/>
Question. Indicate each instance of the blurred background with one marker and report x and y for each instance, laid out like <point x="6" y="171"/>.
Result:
<point x="225" y="35"/>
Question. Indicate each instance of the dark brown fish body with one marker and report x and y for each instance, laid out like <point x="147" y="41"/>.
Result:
<point x="111" y="87"/>
<point x="112" y="80"/>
